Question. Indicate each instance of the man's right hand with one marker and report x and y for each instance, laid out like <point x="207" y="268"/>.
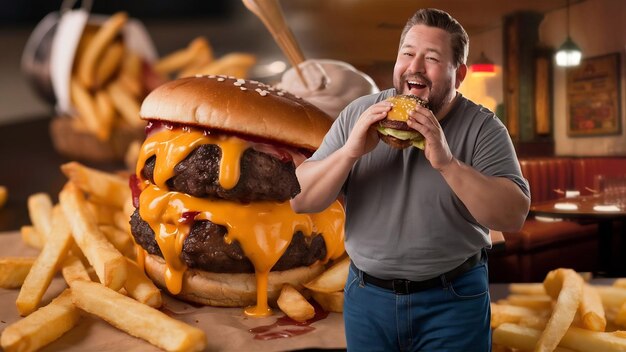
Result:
<point x="364" y="138"/>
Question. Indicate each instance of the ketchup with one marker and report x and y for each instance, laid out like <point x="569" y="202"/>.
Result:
<point x="135" y="189"/>
<point x="286" y="327"/>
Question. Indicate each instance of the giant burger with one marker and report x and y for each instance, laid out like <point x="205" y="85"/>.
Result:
<point x="394" y="130"/>
<point x="212" y="188"/>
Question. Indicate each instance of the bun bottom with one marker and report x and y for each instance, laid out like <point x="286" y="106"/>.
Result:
<point x="226" y="289"/>
<point x="395" y="142"/>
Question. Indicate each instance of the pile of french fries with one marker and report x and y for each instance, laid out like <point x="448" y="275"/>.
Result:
<point x="564" y="313"/>
<point x="326" y="290"/>
<point x="107" y="83"/>
<point x="86" y="237"/>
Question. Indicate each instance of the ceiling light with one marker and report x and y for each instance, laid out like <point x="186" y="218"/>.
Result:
<point x="483" y="67"/>
<point x="569" y="53"/>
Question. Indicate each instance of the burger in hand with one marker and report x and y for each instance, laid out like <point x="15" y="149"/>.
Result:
<point x="394" y="130"/>
<point x="212" y="187"/>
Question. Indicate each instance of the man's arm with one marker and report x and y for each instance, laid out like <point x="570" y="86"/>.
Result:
<point x="495" y="202"/>
<point x="321" y="180"/>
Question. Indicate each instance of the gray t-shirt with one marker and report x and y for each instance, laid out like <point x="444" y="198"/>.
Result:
<point x="402" y="218"/>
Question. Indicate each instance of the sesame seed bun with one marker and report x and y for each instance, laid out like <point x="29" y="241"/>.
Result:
<point x="238" y="106"/>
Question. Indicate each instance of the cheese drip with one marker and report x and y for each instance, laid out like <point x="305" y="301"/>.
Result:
<point x="264" y="230"/>
<point x="171" y="147"/>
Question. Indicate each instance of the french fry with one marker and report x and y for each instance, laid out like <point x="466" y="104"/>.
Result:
<point x="119" y="239"/>
<point x="106" y="113"/>
<point x="535" y="322"/>
<point x="198" y="48"/>
<point x="102" y="187"/>
<point x="109" y="63"/>
<point x="87" y="109"/>
<point x="233" y="64"/>
<point x="330" y="301"/>
<point x="125" y="104"/>
<point x="104" y="214"/>
<point x="575" y="339"/>
<point x="131" y="74"/>
<point x="13" y="271"/>
<point x="586" y="340"/>
<point x="122" y="223"/>
<point x="32" y="237"/>
<point x="40" y="213"/>
<point x="41" y="327"/>
<point x="108" y="262"/>
<point x="567" y="287"/>
<point x="136" y="318"/>
<point x="611" y="296"/>
<point x="620" y="317"/>
<point x="94" y="49"/>
<point x="621" y="282"/>
<point x="331" y="280"/>
<point x="591" y="309"/>
<point x="292" y="303"/>
<point x="140" y="287"/>
<point x="4" y="195"/>
<point x="73" y="269"/>
<point x="538" y="302"/>
<point x="502" y="313"/>
<point x="527" y="289"/>
<point x="44" y="268"/>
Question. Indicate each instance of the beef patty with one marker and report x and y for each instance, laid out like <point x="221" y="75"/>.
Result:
<point x="205" y="248"/>
<point x="262" y="176"/>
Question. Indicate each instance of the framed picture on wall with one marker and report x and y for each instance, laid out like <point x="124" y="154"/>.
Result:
<point x="593" y="97"/>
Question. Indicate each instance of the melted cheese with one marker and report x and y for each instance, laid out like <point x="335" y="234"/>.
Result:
<point x="264" y="229"/>
<point x="172" y="147"/>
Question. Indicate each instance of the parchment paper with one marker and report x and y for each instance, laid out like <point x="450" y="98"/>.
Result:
<point x="226" y="328"/>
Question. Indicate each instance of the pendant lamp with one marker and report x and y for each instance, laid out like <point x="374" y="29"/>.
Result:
<point x="569" y="53"/>
<point x="483" y="67"/>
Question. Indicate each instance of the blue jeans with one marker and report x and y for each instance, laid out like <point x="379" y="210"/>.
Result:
<point x="453" y="317"/>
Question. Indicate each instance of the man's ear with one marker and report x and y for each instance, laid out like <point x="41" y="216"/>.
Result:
<point x="460" y="75"/>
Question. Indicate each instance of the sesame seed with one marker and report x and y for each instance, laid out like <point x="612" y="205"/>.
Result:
<point x="221" y="79"/>
<point x="243" y="88"/>
<point x="281" y="93"/>
<point x="198" y="75"/>
<point x="264" y="93"/>
<point x="238" y="84"/>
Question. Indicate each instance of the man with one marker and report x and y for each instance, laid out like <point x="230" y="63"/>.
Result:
<point x="417" y="221"/>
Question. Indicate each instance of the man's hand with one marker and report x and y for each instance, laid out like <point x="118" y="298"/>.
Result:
<point x="436" y="150"/>
<point x="364" y="138"/>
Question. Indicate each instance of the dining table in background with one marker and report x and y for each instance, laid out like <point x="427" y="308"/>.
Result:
<point x="607" y="208"/>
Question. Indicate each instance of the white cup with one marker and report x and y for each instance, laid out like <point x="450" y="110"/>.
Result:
<point x="572" y="194"/>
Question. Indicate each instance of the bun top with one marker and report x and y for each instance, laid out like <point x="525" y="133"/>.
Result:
<point x="238" y="106"/>
<point x="402" y="104"/>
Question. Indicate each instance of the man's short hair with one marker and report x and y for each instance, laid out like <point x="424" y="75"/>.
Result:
<point x="441" y="19"/>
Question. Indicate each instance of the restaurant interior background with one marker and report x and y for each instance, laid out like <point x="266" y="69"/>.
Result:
<point x="515" y="35"/>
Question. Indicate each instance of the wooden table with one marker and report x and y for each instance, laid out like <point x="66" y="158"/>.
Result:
<point x="590" y="208"/>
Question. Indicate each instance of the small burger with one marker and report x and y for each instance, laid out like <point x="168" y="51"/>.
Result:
<point x="212" y="188"/>
<point x="394" y="130"/>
